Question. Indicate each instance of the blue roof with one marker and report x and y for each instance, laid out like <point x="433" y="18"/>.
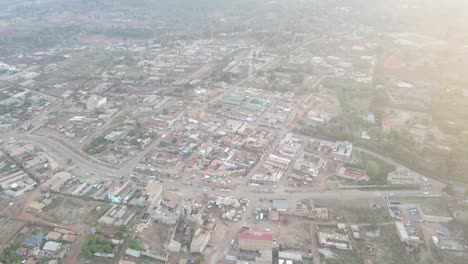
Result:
<point x="34" y="240"/>
<point x="281" y="204"/>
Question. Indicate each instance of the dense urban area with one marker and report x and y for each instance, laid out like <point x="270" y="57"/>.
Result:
<point x="222" y="132"/>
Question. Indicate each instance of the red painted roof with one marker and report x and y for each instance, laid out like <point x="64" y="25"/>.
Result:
<point x="256" y="235"/>
<point x="387" y="122"/>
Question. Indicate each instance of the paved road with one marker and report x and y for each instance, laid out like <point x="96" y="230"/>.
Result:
<point x="62" y="152"/>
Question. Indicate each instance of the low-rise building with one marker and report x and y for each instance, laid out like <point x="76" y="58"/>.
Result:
<point x="353" y="174"/>
<point x="334" y="240"/>
<point x="342" y="151"/>
<point x="402" y="176"/>
<point x="56" y="182"/>
<point x="255" y="240"/>
<point x="199" y="241"/>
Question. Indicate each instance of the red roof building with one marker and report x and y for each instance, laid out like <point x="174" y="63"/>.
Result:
<point x="255" y="240"/>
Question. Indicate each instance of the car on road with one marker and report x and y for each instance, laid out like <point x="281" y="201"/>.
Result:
<point x="425" y="193"/>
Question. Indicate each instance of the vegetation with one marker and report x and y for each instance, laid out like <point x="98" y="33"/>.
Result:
<point x="136" y="244"/>
<point x="121" y="231"/>
<point x="96" y="243"/>
<point x="95" y="214"/>
<point x="10" y="256"/>
<point x="376" y="169"/>
<point x="96" y="146"/>
<point x="54" y="203"/>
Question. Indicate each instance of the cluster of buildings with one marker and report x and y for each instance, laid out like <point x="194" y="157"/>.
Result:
<point x="335" y="239"/>
<point x="247" y="108"/>
<point x="255" y="246"/>
<point x="166" y="214"/>
<point x="23" y="167"/>
<point x="37" y="243"/>
<point x="277" y="163"/>
<point x="18" y="105"/>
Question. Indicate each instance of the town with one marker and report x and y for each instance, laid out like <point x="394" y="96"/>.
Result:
<point x="230" y="133"/>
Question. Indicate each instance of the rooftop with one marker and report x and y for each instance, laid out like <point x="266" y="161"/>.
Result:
<point x="256" y="235"/>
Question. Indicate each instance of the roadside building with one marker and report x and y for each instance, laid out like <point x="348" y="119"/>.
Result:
<point x="256" y="240"/>
<point x="277" y="162"/>
<point x="334" y="240"/>
<point x="353" y="174"/>
<point x="402" y="176"/>
<point x="56" y="182"/>
<point x="342" y="151"/>
<point x="266" y="177"/>
<point x="281" y="204"/>
<point x="118" y="194"/>
<point x="199" y="241"/>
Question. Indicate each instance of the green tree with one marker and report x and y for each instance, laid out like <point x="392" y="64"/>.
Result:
<point x="136" y="244"/>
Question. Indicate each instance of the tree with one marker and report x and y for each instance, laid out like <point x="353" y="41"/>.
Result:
<point x="95" y="244"/>
<point x="121" y="231"/>
<point x="10" y="256"/>
<point x="136" y="244"/>
<point x="43" y="260"/>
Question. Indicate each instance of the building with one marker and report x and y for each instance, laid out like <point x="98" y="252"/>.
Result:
<point x="256" y="247"/>
<point x="273" y="215"/>
<point x="403" y="177"/>
<point x="119" y="193"/>
<point x="353" y="174"/>
<point x="318" y="118"/>
<point x="34" y="207"/>
<point x="34" y="240"/>
<point x="309" y="164"/>
<point x="404" y="235"/>
<point x="95" y="102"/>
<point x="316" y="212"/>
<point x="281" y="205"/>
<point x="153" y="191"/>
<point x="56" y="182"/>
<point x="52" y="246"/>
<point x="342" y="151"/>
<point x="266" y="177"/>
<point x="289" y="257"/>
<point x="255" y="240"/>
<point x="199" y="241"/>
<point x="334" y="240"/>
<point x="277" y="162"/>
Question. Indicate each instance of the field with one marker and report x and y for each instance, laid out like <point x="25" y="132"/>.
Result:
<point x="389" y="249"/>
<point x="97" y="212"/>
<point x="430" y="206"/>
<point x="67" y="210"/>
<point x="8" y="228"/>
<point x="156" y="237"/>
<point x="356" y="211"/>
<point x="343" y="257"/>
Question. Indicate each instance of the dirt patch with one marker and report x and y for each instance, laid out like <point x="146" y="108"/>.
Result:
<point x="71" y="211"/>
<point x="157" y="237"/>
<point x="355" y="211"/>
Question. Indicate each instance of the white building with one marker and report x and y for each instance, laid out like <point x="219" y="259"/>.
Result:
<point x="95" y="102"/>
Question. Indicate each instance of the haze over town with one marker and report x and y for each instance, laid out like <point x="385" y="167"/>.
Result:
<point x="224" y="132"/>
